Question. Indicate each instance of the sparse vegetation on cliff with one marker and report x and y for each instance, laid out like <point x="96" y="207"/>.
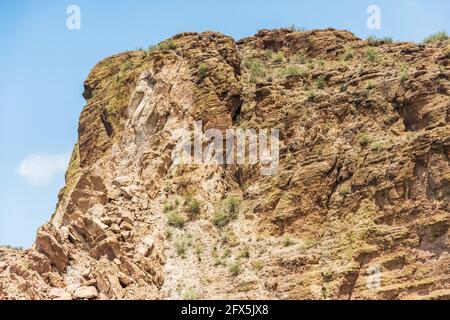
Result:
<point x="175" y="219"/>
<point x="372" y="55"/>
<point x="256" y="68"/>
<point x="375" y="41"/>
<point x="235" y="268"/>
<point x="436" y="37"/>
<point x="348" y="54"/>
<point x="362" y="179"/>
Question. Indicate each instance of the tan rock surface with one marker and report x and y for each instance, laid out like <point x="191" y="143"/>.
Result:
<point x="359" y="208"/>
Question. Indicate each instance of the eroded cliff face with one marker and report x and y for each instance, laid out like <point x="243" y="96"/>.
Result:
<point x="359" y="208"/>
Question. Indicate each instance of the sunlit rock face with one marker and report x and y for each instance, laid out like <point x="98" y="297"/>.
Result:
<point x="358" y="207"/>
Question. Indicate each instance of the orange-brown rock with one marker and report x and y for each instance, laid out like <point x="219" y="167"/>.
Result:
<point x="358" y="209"/>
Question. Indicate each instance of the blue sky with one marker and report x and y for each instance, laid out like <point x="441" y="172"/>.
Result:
<point x="43" y="65"/>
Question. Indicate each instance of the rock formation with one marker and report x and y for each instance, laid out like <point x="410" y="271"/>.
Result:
<point x="359" y="207"/>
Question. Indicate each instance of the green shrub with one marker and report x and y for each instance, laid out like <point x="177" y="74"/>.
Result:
<point x="312" y="95"/>
<point x="244" y="254"/>
<point x="372" y="54"/>
<point x="231" y="205"/>
<point x="168" y="234"/>
<point x="370" y="86"/>
<point x="309" y="243"/>
<point x="348" y="54"/>
<point x="226" y="254"/>
<point x="219" y="262"/>
<point x="191" y="294"/>
<point x="387" y="40"/>
<point x="377" y="146"/>
<point x="268" y="54"/>
<point x="436" y="37"/>
<point x="214" y="253"/>
<point x="167" y="45"/>
<point x="176" y="220"/>
<point x="257" y="265"/>
<point x="198" y="251"/>
<point x="278" y="57"/>
<point x="375" y="41"/>
<point x="288" y="71"/>
<point x="364" y="139"/>
<point x="126" y="66"/>
<point x="372" y="40"/>
<point x="235" y="268"/>
<point x="255" y="67"/>
<point x="202" y="71"/>
<point x="320" y="82"/>
<point x="10" y="247"/>
<point x="227" y="212"/>
<point x="230" y="238"/>
<point x="181" y="247"/>
<point x="287" y="241"/>
<point x="361" y="69"/>
<point x="404" y="76"/>
<point x="301" y="58"/>
<point x="220" y="219"/>
<point x="344" y="190"/>
<point x="193" y="206"/>
<point x="168" y="206"/>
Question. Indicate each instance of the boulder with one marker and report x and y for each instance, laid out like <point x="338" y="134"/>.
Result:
<point x="113" y="193"/>
<point x="47" y="244"/>
<point x="96" y="211"/>
<point x="122" y="181"/>
<point x="39" y="262"/>
<point x="95" y="226"/>
<point x="108" y="283"/>
<point x="126" y="216"/>
<point x="55" y="280"/>
<point x="145" y="247"/>
<point x="129" y="191"/>
<point x="85" y="293"/>
<point x="108" y="247"/>
<point x="59" y="294"/>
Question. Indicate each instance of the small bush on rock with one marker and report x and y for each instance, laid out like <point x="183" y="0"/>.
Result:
<point x="176" y="220"/>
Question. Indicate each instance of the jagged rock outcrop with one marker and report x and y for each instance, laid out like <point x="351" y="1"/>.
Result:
<point x="358" y="209"/>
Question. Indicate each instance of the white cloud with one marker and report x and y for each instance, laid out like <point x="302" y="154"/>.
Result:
<point x="40" y="169"/>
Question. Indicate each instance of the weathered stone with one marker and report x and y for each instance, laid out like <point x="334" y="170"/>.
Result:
<point x="129" y="191"/>
<point x="59" y="294"/>
<point x="108" y="283"/>
<point x="97" y="211"/>
<point x="108" y="247"/>
<point x="126" y="216"/>
<point x="122" y="181"/>
<point x="40" y="263"/>
<point x="47" y="244"/>
<point x="95" y="226"/>
<point x="145" y="247"/>
<point x="85" y="293"/>
<point x="114" y="193"/>
<point x="55" y="280"/>
<point x="361" y="188"/>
